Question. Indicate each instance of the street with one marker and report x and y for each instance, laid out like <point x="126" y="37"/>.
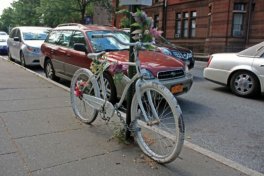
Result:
<point x="221" y="122"/>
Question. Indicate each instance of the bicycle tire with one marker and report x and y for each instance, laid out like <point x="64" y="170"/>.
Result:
<point x="77" y="103"/>
<point x="170" y="123"/>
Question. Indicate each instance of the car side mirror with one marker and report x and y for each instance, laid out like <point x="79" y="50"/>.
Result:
<point x="16" y="39"/>
<point x="80" y="47"/>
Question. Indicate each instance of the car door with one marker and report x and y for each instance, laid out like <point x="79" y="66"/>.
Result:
<point x="17" y="45"/>
<point x="11" y="43"/>
<point x="76" y="59"/>
<point x="54" y="53"/>
<point x="258" y="64"/>
<point x="62" y="56"/>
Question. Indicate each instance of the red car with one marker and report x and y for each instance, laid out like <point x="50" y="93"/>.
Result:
<point x="62" y="56"/>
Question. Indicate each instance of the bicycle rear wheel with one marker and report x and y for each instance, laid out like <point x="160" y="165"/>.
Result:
<point x="83" y="82"/>
<point x="161" y="135"/>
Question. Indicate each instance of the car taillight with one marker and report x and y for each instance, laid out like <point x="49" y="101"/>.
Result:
<point x="209" y="60"/>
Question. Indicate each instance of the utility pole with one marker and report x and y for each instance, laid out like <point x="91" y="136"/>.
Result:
<point x="133" y="6"/>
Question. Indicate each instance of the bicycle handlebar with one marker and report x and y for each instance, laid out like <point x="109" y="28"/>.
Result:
<point x="139" y="44"/>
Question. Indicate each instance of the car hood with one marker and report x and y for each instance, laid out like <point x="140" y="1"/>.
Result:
<point x="173" y="47"/>
<point x="153" y="61"/>
<point x="34" y="43"/>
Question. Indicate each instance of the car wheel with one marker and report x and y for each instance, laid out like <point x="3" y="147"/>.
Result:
<point x="244" y="84"/>
<point x="22" y="59"/>
<point x="49" y="70"/>
<point x="110" y="88"/>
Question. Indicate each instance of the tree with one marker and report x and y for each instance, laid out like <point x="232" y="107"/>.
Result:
<point x="49" y="12"/>
<point x="84" y="3"/>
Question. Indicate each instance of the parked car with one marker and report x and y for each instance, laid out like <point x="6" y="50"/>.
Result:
<point x="62" y="56"/>
<point x="166" y="47"/>
<point x="24" y="44"/>
<point x="243" y="72"/>
<point x="3" y="43"/>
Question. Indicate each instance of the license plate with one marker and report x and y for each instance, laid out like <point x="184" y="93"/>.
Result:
<point x="177" y="89"/>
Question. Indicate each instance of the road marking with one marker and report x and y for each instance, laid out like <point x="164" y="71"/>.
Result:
<point x="203" y="151"/>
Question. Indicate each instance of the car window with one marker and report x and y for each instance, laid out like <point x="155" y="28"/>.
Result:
<point x="34" y="35"/>
<point x="13" y="33"/>
<point x="108" y="44"/>
<point x="77" y="37"/>
<point x="252" y="51"/>
<point x="64" y="38"/>
<point x="18" y="34"/>
<point x="3" y="33"/>
<point x="53" y="37"/>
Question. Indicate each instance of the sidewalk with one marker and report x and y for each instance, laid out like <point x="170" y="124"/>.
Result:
<point x="39" y="135"/>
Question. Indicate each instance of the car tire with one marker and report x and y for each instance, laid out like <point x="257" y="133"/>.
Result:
<point x="244" y="84"/>
<point x="49" y="70"/>
<point x="110" y="88"/>
<point x="22" y="59"/>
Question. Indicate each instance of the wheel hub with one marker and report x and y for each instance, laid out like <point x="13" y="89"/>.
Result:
<point x="243" y="83"/>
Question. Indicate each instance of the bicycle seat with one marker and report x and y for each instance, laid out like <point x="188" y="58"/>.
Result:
<point x="95" y="56"/>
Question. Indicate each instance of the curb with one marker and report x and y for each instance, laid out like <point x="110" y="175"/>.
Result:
<point x="194" y="147"/>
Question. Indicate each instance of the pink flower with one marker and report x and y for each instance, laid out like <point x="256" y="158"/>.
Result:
<point x="155" y="33"/>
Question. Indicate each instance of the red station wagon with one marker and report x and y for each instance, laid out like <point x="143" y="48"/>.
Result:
<point x="61" y="57"/>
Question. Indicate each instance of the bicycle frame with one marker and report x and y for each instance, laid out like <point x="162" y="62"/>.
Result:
<point x="138" y="77"/>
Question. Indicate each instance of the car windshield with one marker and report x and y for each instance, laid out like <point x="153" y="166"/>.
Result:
<point x="255" y="50"/>
<point x="35" y="35"/>
<point x="3" y="33"/>
<point x="108" y="44"/>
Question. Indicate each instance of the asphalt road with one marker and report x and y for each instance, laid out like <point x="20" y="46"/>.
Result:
<point x="221" y="122"/>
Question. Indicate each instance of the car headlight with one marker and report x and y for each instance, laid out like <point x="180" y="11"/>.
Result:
<point x="29" y="48"/>
<point x="165" y="51"/>
<point x="147" y="74"/>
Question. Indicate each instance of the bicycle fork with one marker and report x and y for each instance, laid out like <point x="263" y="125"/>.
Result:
<point x="149" y="122"/>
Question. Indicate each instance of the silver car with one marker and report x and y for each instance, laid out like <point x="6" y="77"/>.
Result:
<point x="24" y="44"/>
<point x="243" y="72"/>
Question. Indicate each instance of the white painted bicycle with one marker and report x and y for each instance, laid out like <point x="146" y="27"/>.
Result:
<point x="156" y="118"/>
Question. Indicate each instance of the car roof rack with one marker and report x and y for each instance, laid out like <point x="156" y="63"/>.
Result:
<point x="70" y="24"/>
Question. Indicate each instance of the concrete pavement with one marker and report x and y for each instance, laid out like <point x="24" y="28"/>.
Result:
<point x="39" y="135"/>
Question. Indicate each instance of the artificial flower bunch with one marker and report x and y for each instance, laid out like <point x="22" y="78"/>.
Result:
<point x="145" y="30"/>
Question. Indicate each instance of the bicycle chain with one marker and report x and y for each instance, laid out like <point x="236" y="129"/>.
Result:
<point x="126" y="126"/>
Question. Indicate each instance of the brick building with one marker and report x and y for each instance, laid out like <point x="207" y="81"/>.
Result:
<point x="208" y="26"/>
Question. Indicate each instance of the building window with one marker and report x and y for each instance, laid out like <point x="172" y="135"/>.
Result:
<point x="238" y="20"/>
<point x="178" y="25"/>
<point x="193" y="24"/>
<point x="185" y="25"/>
<point x="156" y="21"/>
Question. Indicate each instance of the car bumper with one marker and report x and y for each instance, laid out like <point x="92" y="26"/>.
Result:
<point x="216" y="75"/>
<point x="3" y="49"/>
<point x="32" y="58"/>
<point x="185" y="84"/>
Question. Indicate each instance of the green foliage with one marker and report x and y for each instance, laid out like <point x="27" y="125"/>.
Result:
<point x="48" y="12"/>
<point x="23" y="13"/>
<point x="125" y="22"/>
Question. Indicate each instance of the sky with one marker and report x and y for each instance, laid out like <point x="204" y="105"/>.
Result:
<point x="4" y="4"/>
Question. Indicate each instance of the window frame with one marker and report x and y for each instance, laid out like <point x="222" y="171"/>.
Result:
<point x="236" y="12"/>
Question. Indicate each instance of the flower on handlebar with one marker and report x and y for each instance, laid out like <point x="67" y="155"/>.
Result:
<point x="145" y="32"/>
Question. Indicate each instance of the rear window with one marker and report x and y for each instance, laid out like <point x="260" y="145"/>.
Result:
<point x="108" y="44"/>
<point x="256" y="50"/>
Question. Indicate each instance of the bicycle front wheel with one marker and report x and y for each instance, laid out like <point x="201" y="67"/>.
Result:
<point x="160" y="134"/>
<point x="83" y="82"/>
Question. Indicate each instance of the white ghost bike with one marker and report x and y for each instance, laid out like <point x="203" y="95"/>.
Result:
<point x="156" y="118"/>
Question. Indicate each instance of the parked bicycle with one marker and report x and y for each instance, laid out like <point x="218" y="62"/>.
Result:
<point x="157" y="123"/>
